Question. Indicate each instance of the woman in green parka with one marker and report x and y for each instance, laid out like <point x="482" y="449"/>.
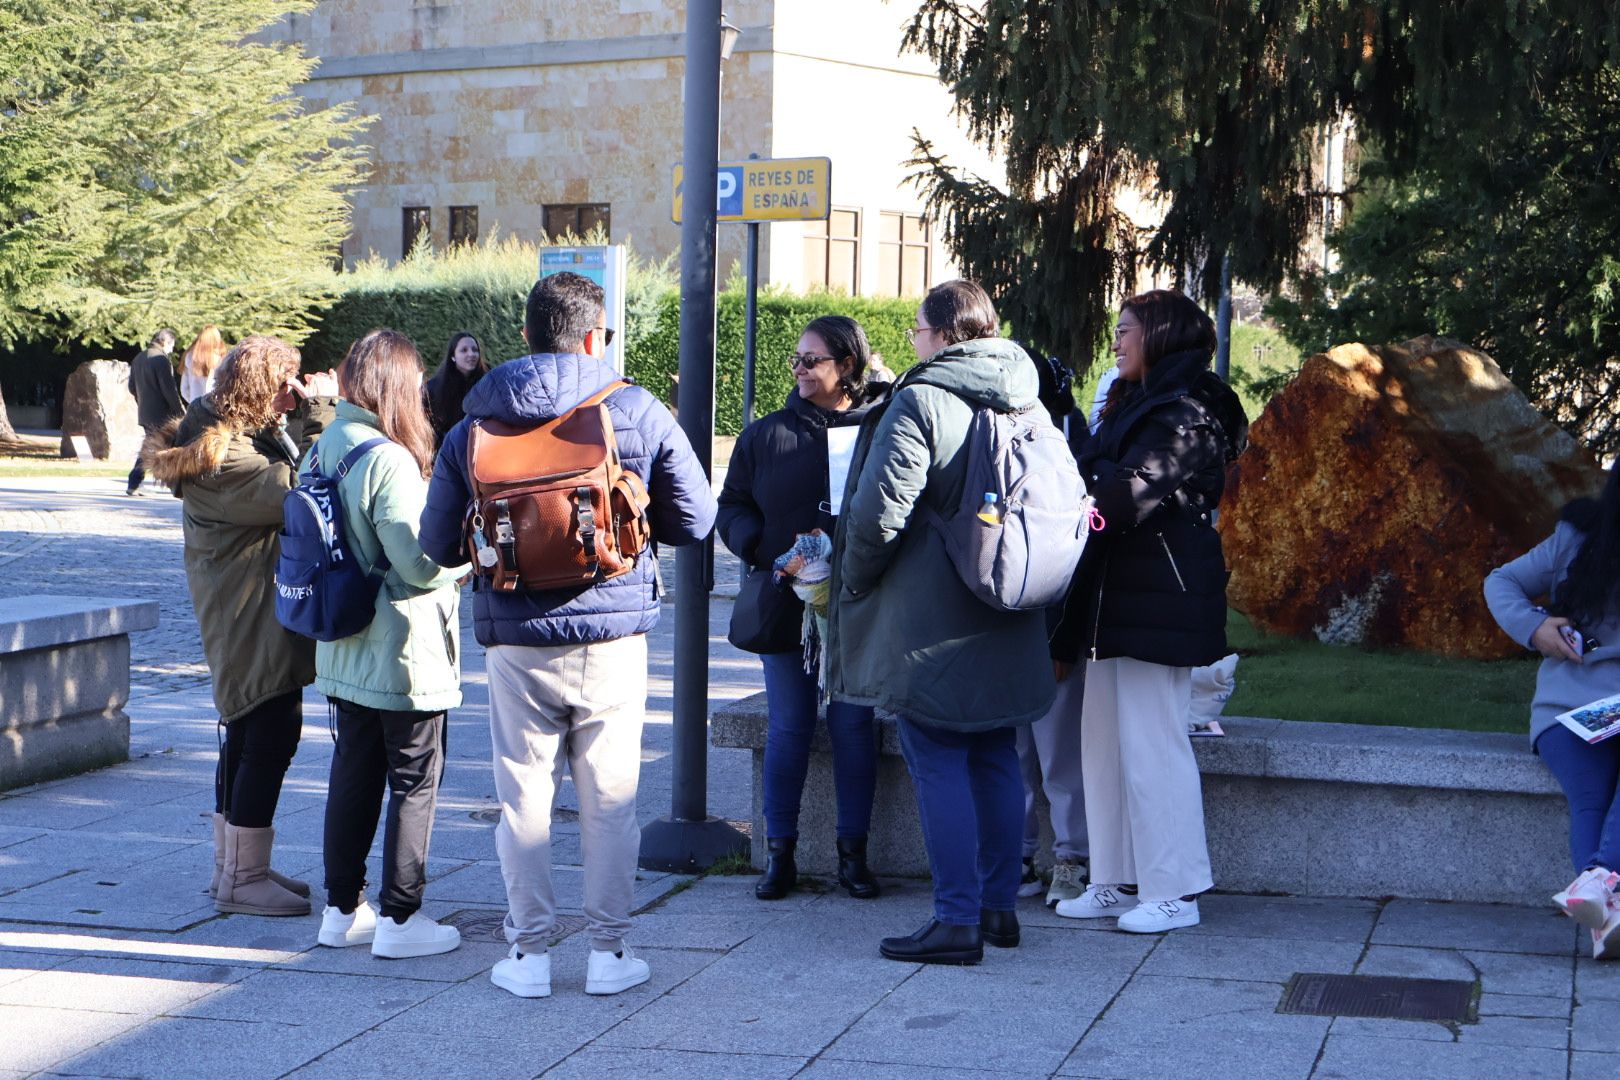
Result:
<point x="231" y="460"/>
<point x="390" y="684"/>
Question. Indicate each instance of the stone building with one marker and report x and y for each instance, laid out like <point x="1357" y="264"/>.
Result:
<point x="536" y="116"/>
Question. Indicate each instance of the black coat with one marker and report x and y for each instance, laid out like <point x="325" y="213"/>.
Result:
<point x="775" y="489"/>
<point x="445" y="393"/>
<point x="157" y="392"/>
<point x="1152" y="583"/>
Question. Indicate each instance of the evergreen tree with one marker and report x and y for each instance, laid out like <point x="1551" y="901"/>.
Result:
<point x="157" y="167"/>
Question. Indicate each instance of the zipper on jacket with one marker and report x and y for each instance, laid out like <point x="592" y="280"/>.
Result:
<point x="1173" y="568"/>
<point x="1096" y="622"/>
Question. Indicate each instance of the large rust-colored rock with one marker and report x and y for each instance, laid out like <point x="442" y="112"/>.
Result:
<point x="1381" y="486"/>
<point x="98" y="405"/>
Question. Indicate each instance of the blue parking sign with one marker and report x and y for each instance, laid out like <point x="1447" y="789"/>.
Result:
<point x="729" y="191"/>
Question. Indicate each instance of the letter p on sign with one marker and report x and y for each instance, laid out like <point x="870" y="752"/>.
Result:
<point x="729" y="191"/>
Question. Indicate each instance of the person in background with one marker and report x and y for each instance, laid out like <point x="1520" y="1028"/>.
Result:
<point x="157" y="397"/>
<point x="231" y="462"/>
<point x="391" y="684"/>
<point x="1578" y="634"/>
<point x="463" y="365"/>
<point x="909" y="637"/>
<point x="200" y="364"/>
<point x="1149" y="605"/>
<point x="776" y="490"/>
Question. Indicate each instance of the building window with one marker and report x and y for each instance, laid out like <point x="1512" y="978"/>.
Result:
<point x="463" y="225"/>
<point x="418" y="221"/>
<point x="579" y="219"/>
<point x="905" y="262"/>
<point x="832" y="252"/>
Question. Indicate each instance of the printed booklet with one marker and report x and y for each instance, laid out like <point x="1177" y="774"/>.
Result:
<point x="1594" y="721"/>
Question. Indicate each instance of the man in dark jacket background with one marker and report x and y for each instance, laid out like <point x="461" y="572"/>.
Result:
<point x="157" y="394"/>
<point x="567" y="668"/>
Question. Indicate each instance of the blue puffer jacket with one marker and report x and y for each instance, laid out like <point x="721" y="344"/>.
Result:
<point x="534" y="389"/>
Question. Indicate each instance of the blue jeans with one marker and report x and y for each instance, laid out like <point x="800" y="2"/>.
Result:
<point x="970" y="796"/>
<point x="1590" y="777"/>
<point x="790" y="695"/>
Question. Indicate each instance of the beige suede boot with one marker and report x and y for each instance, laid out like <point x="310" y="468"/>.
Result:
<point x="292" y="885"/>
<point x="244" y="883"/>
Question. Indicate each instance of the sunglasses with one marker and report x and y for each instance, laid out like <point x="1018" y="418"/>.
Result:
<point x="607" y="334"/>
<point x="806" y="360"/>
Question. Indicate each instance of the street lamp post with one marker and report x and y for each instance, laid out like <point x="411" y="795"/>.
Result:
<point x="688" y="838"/>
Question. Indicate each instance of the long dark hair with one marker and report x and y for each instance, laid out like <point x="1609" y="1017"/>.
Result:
<point x="845" y="340"/>
<point x="382" y="373"/>
<point x="447" y="366"/>
<point x="1587" y="593"/>
<point x="1171" y="323"/>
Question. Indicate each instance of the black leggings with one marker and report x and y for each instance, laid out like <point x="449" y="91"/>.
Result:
<point x="254" y="758"/>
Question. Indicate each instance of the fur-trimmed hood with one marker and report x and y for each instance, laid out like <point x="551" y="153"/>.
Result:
<point x="198" y="445"/>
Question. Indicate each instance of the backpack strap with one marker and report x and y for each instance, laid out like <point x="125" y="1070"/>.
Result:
<point x="603" y="394"/>
<point x="350" y="460"/>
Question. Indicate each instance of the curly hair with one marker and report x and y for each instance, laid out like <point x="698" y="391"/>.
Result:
<point x="250" y="377"/>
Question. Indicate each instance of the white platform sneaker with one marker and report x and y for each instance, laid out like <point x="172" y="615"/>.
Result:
<point x="527" y="975"/>
<point x="1097" y="902"/>
<point x="339" y="931"/>
<point x="614" y="972"/>
<point x="416" y="936"/>
<point x="1157" y="916"/>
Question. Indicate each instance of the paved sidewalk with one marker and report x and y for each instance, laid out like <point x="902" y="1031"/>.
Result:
<point x="114" y="964"/>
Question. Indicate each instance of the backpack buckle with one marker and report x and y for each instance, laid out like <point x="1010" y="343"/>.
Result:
<point x="587" y="527"/>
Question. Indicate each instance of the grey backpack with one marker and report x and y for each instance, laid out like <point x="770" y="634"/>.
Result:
<point x="1017" y="535"/>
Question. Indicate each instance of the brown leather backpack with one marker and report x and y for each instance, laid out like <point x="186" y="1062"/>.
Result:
<point x="553" y="507"/>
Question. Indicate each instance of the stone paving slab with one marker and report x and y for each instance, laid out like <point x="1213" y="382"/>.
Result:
<point x="1359" y="1057"/>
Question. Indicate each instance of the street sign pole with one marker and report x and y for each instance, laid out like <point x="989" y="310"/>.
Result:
<point x="688" y="839"/>
<point x="750" y="322"/>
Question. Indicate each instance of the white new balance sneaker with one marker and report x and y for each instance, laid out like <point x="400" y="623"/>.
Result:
<point x="1157" y="916"/>
<point x="1068" y="882"/>
<point x="416" y="936"/>
<point x="527" y="975"/>
<point x="1097" y="902"/>
<point x="1586" y="899"/>
<point x="613" y="972"/>
<point x="340" y="931"/>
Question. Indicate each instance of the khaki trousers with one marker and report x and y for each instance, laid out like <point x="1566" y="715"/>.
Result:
<point x="583" y="704"/>
<point x="1144" y="801"/>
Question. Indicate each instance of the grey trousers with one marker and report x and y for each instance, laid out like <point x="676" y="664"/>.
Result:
<point x="583" y="704"/>
<point x="1049" y="757"/>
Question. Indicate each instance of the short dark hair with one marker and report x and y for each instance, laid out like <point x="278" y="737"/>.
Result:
<point x="845" y="340"/>
<point x="163" y="339"/>
<point x="561" y="310"/>
<point x="961" y="310"/>
<point x="1171" y="323"/>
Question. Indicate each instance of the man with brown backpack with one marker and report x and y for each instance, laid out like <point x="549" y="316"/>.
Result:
<point x="557" y="486"/>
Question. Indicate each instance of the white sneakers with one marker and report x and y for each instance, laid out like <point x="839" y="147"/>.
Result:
<point x="1586" y="899"/>
<point x="1068" y="882"/>
<point x="1606" y="941"/>
<point x="339" y="931"/>
<point x="611" y="972"/>
<point x="1030" y="883"/>
<point x="529" y="974"/>
<point x="1097" y="902"/>
<point x="1157" y="916"/>
<point x="416" y="936"/>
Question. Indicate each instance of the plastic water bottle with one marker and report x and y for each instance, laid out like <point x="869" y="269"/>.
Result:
<point x="990" y="513"/>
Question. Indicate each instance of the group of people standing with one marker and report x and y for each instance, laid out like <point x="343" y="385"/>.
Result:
<point x="904" y="634"/>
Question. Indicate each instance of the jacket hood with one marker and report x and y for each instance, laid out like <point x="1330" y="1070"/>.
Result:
<point x="991" y="371"/>
<point x="1223" y="406"/>
<point x="874" y="395"/>
<point x="536" y="388"/>
<point x="189" y="447"/>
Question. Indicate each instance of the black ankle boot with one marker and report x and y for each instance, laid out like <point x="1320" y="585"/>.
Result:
<point x="999" y="928"/>
<point x="853" y="873"/>
<point x="936" y="943"/>
<point x="780" y="872"/>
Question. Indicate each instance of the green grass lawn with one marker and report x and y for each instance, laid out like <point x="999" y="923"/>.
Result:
<point x="59" y="467"/>
<point x="1291" y="679"/>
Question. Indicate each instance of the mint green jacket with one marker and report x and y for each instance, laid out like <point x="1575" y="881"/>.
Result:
<point x="408" y="658"/>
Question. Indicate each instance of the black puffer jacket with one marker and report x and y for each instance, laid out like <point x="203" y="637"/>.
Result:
<point x="1152" y="583"/>
<point x="444" y="395"/>
<point x="775" y="489"/>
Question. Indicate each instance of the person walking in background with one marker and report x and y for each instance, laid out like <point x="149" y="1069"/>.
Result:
<point x="1578" y="633"/>
<point x="390" y="684"/>
<point x="463" y="365"/>
<point x="568" y="667"/>
<point x="200" y="364"/>
<point x="777" y="489"/>
<point x="1149" y="605"/>
<point x="909" y="637"/>
<point x="231" y="461"/>
<point x="157" y="396"/>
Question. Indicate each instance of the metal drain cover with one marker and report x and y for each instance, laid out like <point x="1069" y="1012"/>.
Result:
<point x="482" y="924"/>
<point x="1381" y="997"/>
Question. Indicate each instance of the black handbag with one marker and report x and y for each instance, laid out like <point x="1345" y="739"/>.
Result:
<point x="765" y="618"/>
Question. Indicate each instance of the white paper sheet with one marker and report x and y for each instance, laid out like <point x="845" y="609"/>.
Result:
<point x="840" y="452"/>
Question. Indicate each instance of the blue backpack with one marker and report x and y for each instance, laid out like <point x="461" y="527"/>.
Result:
<point x="322" y="591"/>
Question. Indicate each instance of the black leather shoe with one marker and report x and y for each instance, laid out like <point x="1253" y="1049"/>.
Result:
<point x="936" y="943"/>
<point x="999" y="928"/>
<point x="853" y="873"/>
<point x="781" y="874"/>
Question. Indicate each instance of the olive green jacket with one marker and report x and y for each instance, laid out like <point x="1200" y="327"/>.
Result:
<point x="232" y="484"/>
<point x="407" y="659"/>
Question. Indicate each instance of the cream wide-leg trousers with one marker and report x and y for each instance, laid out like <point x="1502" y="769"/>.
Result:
<point x="1144" y="801"/>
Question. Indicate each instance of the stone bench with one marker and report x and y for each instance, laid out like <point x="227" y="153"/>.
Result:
<point x="64" y="681"/>
<point x="1291" y="807"/>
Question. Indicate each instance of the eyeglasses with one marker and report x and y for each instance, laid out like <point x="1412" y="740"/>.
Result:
<point x="806" y="360"/>
<point x="915" y="330"/>
<point x="607" y="334"/>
